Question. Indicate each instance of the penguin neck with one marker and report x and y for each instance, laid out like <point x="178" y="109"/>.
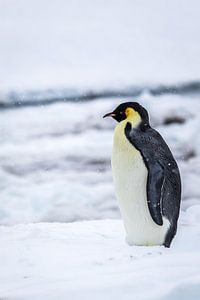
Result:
<point x="119" y="134"/>
<point x="133" y="118"/>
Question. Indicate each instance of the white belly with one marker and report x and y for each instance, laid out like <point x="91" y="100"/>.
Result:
<point x="130" y="178"/>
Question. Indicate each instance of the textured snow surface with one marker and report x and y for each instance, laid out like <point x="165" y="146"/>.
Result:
<point x="97" y="43"/>
<point x="90" y="260"/>
<point x="55" y="160"/>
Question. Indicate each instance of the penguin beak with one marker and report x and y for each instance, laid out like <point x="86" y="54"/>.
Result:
<point x="111" y="114"/>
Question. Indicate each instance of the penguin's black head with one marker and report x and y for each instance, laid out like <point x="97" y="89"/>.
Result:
<point x="129" y="110"/>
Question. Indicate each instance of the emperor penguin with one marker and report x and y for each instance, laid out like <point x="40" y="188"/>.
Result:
<point x="146" y="178"/>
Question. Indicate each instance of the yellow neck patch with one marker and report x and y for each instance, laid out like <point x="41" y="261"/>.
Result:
<point x="132" y="116"/>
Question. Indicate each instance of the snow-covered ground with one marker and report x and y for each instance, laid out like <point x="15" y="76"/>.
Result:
<point x="90" y="260"/>
<point x="97" y="43"/>
<point x="55" y="160"/>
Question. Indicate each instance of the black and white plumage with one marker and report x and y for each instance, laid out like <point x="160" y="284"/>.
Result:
<point x="146" y="178"/>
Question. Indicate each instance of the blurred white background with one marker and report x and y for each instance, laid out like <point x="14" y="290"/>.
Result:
<point x="78" y="44"/>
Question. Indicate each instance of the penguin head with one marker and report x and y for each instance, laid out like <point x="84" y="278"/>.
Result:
<point x="129" y="110"/>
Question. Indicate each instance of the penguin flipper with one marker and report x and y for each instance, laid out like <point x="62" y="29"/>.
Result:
<point x="155" y="182"/>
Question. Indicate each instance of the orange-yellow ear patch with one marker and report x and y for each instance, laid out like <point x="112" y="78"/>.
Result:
<point x="133" y="116"/>
<point x="130" y="112"/>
